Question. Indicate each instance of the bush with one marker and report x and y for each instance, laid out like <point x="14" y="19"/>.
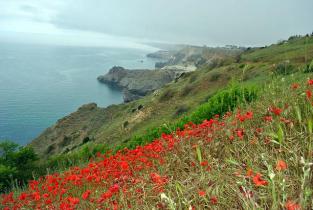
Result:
<point x="283" y="68"/>
<point x="16" y="164"/>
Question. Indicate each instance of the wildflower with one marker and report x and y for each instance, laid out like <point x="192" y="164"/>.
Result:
<point x="268" y="118"/>
<point x="240" y="133"/>
<point x="213" y="200"/>
<point x="86" y="194"/>
<point x="157" y="179"/>
<point x="281" y="165"/>
<point x="249" y="172"/>
<point x="231" y="138"/>
<point x="258" y="181"/>
<point x="201" y="193"/>
<point x="290" y="205"/>
<point x="249" y="115"/>
<point x="308" y="94"/>
<point x="275" y="110"/>
<point x="36" y="196"/>
<point x="204" y="163"/>
<point x="258" y="130"/>
<point x="115" y="188"/>
<point x="23" y="196"/>
<point x="73" y="201"/>
<point x="124" y="165"/>
<point x="295" y="86"/>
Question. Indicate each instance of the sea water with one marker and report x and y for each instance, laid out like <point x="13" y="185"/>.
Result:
<point x="40" y="84"/>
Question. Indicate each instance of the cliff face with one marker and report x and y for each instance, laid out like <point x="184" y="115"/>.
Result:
<point x="137" y="83"/>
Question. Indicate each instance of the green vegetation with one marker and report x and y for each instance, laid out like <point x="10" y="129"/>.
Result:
<point x="17" y="165"/>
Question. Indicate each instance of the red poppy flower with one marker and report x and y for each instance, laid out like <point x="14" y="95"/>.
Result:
<point x="213" y="200"/>
<point x="258" y="181"/>
<point x="275" y="110"/>
<point x="308" y="94"/>
<point x="310" y="82"/>
<point x="86" y="194"/>
<point x="23" y="196"/>
<point x="268" y="118"/>
<point x="201" y="193"/>
<point x="295" y="86"/>
<point x="240" y="133"/>
<point x="231" y="138"/>
<point x="290" y="205"/>
<point x="281" y="165"/>
<point x="204" y="163"/>
<point x="249" y="115"/>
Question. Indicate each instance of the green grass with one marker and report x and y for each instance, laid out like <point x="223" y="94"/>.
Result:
<point x="297" y="51"/>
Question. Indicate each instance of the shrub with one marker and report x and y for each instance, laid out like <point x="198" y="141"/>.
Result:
<point x="16" y="164"/>
<point x="283" y="68"/>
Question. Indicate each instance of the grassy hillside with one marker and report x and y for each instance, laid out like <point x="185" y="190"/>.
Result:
<point x="258" y="157"/>
<point x="93" y="129"/>
<point x="198" y="95"/>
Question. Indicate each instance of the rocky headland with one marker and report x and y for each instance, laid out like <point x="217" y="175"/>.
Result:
<point x="136" y="83"/>
<point x="139" y="82"/>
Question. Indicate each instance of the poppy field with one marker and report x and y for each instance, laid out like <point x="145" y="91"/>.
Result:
<point x="257" y="157"/>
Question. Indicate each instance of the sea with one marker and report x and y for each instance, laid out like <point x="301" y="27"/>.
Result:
<point x="40" y="84"/>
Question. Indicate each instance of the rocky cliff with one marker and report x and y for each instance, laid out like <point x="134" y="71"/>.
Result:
<point x="138" y="83"/>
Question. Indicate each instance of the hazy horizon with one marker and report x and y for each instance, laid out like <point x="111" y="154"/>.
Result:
<point x="132" y="24"/>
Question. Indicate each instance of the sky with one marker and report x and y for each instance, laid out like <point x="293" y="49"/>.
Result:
<point x="132" y="23"/>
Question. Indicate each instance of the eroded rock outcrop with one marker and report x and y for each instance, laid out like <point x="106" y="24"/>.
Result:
<point x="137" y="83"/>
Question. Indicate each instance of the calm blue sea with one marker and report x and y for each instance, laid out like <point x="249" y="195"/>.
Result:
<point x="41" y="84"/>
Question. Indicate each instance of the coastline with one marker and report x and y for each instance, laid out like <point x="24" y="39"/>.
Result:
<point x="62" y="79"/>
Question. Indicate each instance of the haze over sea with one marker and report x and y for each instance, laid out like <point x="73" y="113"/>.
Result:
<point x="40" y="84"/>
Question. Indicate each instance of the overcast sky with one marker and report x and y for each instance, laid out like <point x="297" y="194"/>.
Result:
<point x="131" y="22"/>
